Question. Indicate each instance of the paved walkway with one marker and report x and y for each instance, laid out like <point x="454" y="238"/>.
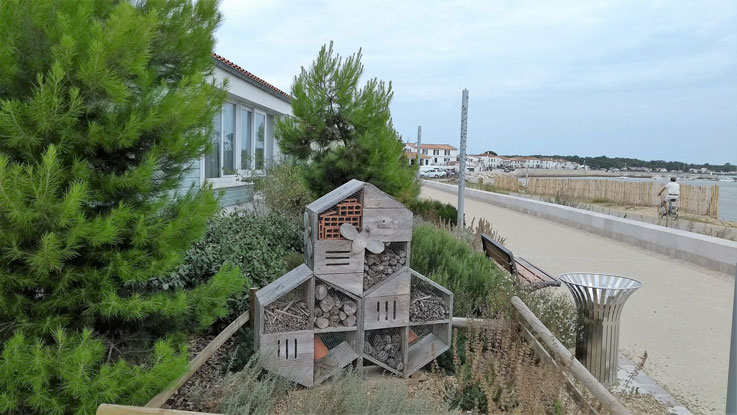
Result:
<point x="681" y="316"/>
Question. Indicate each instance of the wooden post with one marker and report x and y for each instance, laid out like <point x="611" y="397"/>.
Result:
<point x="252" y="304"/>
<point x="462" y="164"/>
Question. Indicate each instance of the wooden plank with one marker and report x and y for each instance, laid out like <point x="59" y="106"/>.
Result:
<point x="388" y="225"/>
<point x="310" y="236"/>
<point x="334" y="197"/>
<point x="278" y="349"/>
<point x="108" y="409"/>
<point x="161" y="398"/>
<point x="336" y="257"/>
<point x="397" y="285"/>
<point x="388" y="311"/>
<point x="336" y="359"/>
<point x="351" y="282"/>
<point x="499" y="254"/>
<point x="423" y="352"/>
<point x="537" y="277"/>
<point x="374" y="198"/>
<point x="382" y="365"/>
<point x="279" y="356"/>
<point x="283" y="285"/>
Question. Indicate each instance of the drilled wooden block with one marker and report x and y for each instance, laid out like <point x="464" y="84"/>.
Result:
<point x="386" y="311"/>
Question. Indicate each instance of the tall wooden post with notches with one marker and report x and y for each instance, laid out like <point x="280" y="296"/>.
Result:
<point x="355" y="299"/>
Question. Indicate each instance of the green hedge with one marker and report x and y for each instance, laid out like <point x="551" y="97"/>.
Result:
<point x="434" y="211"/>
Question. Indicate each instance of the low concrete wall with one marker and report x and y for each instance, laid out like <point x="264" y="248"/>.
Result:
<point x="713" y="253"/>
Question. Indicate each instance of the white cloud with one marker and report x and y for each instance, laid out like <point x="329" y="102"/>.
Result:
<point x="517" y="52"/>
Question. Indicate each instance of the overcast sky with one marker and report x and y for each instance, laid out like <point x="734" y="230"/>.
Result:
<point x="644" y="79"/>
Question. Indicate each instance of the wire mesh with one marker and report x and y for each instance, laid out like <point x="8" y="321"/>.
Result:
<point x="349" y="210"/>
<point x="335" y="309"/>
<point x="331" y="341"/>
<point x="380" y="267"/>
<point x="427" y="303"/>
<point x="289" y="312"/>
<point x="385" y="346"/>
<point x="420" y="332"/>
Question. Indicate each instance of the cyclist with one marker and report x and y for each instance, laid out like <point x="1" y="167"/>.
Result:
<point x="674" y="192"/>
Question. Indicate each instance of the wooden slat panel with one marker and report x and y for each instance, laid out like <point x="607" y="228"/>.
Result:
<point x="533" y="274"/>
<point x="373" y="197"/>
<point x="278" y="355"/>
<point x="388" y="225"/>
<point x="498" y="253"/>
<point x="336" y="257"/>
<point x="393" y="311"/>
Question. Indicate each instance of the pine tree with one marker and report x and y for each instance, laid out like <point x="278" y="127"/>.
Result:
<point x="103" y="107"/>
<point x="344" y="131"/>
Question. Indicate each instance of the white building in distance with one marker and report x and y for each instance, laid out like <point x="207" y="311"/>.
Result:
<point x="431" y="154"/>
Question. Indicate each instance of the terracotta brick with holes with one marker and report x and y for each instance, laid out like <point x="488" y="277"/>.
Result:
<point x="347" y="211"/>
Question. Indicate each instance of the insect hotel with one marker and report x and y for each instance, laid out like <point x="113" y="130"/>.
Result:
<point x="355" y="300"/>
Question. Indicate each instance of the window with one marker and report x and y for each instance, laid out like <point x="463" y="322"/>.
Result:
<point x="242" y="141"/>
<point x="246" y="135"/>
<point x="447" y="152"/>
<point x="220" y="161"/>
<point x="260" y="128"/>
<point x="435" y="152"/>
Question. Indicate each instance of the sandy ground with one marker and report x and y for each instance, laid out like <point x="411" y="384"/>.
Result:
<point x="681" y="316"/>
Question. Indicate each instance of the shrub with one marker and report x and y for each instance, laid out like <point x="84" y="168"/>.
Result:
<point x="285" y="191"/>
<point x="474" y="280"/>
<point x="434" y="211"/>
<point x="257" y="245"/>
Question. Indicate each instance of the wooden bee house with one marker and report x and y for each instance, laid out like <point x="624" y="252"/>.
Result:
<point x="355" y="299"/>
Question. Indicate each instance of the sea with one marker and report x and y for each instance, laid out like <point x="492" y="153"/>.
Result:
<point x="727" y="191"/>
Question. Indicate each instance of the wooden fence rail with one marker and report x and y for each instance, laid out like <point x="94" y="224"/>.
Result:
<point x="700" y="200"/>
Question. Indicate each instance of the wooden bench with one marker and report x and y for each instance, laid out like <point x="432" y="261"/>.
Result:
<point x="529" y="275"/>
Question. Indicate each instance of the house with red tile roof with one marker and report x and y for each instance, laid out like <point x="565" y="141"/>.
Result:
<point x="437" y="154"/>
<point x="243" y="137"/>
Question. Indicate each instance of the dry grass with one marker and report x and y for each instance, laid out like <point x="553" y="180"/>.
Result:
<point x="497" y="372"/>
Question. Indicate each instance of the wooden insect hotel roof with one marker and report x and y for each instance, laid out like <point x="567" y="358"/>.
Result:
<point x="355" y="300"/>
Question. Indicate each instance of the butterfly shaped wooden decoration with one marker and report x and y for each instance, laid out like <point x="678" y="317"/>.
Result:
<point x="361" y="240"/>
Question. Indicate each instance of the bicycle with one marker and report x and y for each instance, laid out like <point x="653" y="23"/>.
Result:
<point x="664" y="211"/>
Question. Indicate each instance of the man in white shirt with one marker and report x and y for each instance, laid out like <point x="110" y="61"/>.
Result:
<point x="674" y="192"/>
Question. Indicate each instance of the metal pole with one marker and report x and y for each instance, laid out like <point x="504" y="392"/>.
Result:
<point x="462" y="166"/>
<point x="732" y="379"/>
<point x="419" y="141"/>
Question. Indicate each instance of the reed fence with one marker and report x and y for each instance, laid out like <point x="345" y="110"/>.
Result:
<point x="510" y="183"/>
<point x="700" y="200"/>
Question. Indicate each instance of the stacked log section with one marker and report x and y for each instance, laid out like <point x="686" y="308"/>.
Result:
<point x="333" y="308"/>
<point x="379" y="267"/>
<point x="282" y="316"/>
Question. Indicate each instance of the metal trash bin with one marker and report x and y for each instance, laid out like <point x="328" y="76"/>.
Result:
<point x="599" y="300"/>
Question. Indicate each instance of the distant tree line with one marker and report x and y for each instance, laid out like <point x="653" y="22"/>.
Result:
<point x="604" y="162"/>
